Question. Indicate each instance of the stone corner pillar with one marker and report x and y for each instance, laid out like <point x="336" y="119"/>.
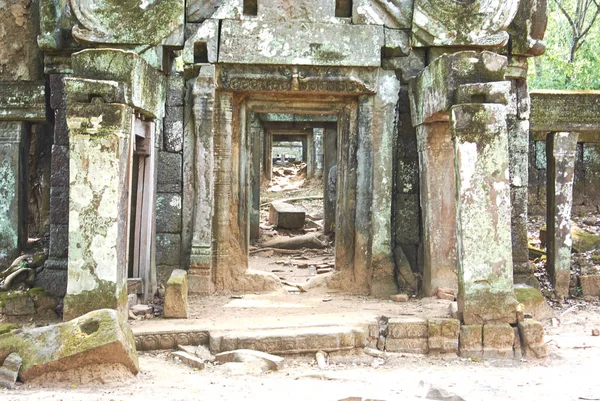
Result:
<point x="12" y="205"/>
<point x="561" y="148"/>
<point x="99" y="196"/>
<point x="486" y="290"/>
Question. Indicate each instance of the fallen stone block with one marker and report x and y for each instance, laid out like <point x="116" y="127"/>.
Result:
<point x="590" y="285"/>
<point x="400" y="298"/>
<point x="10" y="370"/>
<point x="285" y="215"/>
<point x="242" y="355"/>
<point x="190" y="360"/>
<point x="176" y="296"/>
<point x="101" y="336"/>
<point x="532" y="339"/>
<point x="141" y="310"/>
<point x="534" y="302"/>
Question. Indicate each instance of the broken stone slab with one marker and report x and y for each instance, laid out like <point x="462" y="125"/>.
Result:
<point x="241" y="355"/>
<point x="176" y="296"/>
<point x="10" y="370"/>
<point x="285" y="215"/>
<point x="189" y="359"/>
<point x="101" y="336"/>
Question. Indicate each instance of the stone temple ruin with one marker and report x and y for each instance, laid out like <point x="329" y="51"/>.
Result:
<point x="135" y="134"/>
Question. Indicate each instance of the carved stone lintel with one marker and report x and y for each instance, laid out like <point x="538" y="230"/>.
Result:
<point x="169" y="340"/>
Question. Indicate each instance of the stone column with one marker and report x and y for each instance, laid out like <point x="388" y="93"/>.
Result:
<point x="98" y="207"/>
<point x="329" y="179"/>
<point x="256" y="131"/>
<point x="201" y="258"/>
<point x="310" y="156"/>
<point x="485" y="266"/>
<point x="438" y="206"/>
<point x="318" y="140"/>
<point x="12" y="190"/>
<point x="268" y="152"/>
<point x="561" y="148"/>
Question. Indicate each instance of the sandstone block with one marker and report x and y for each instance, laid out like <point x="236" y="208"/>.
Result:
<point x="101" y="336"/>
<point x="400" y="298"/>
<point x="407" y="345"/>
<point x="590" y="284"/>
<point x="284" y="215"/>
<point x="190" y="360"/>
<point x="241" y="355"/>
<point x="532" y="339"/>
<point x="10" y="370"/>
<point x="443" y="335"/>
<point x="407" y="327"/>
<point x="17" y="303"/>
<point x="498" y="340"/>
<point x="176" y="296"/>
<point x="534" y="302"/>
<point x="471" y="341"/>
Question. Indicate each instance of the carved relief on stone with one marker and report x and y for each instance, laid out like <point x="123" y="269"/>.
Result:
<point x="462" y="22"/>
<point x="151" y="342"/>
<point x="296" y="78"/>
<point x="127" y="21"/>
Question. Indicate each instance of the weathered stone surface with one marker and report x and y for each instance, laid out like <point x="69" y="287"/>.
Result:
<point x="590" y="285"/>
<point x="471" y="341"/>
<point x="97" y="207"/>
<point x="299" y="10"/>
<point x="561" y="149"/>
<point x="564" y="111"/>
<point x="247" y="42"/>
<point x="102" y="336"/>
<point x="286" y="215"/>
<point x="396" y="14"/>
<point x="203" y="44"/>
<point x="22" y="101"/>
<point x="528" y="28"/>
<point x="169" y="174"/>
<point x="452" y="23"/>
<point x="10" y="370"/>
<point x="168" y="248"/>
<point x="175" y="90"/>
<point x="498" y="340"/>
<point x="534" y="302"/>
<point x="396" y="43"/>
<point x="443" y="335"/>
<point x="406" y="327"/>
<point x="176" y="296"/>
<point x="144" y="86"/>
<point x="188" y="359"/>
<point x="199" y="10"/>
<point x="532" y="339"/>
<point x="17" y="304"/>
<point x="168" y="213"/>
<point x="434" y="91"/>
<point x="11" y="191"/>
<point x="486" y="92"/>
<point x="485" y="272"/>
<point x="128" y="22"/>
<point x="275" y="362"/>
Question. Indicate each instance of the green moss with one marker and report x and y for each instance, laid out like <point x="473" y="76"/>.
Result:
<point x="104" y="296"/>
<point x="584" y="241"/>
<point x="6" y="327"/>
<point x="527" y="296"/>
<point x="36" y="291"/>
<point x="7" y="295"/>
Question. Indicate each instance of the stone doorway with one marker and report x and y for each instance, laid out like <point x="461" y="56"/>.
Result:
<point x="219" y="249"/>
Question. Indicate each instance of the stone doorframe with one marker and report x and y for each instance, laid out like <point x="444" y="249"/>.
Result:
<point x="217" y="192"/>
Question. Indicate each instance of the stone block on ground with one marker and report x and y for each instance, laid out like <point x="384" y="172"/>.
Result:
<point x="407" y="335"/>
<point x="101" y="336"/>
<point x="590" y="285"/>
<point x="443" y="335"/>
<point x="399" y="298"/>
<point x="532" y="339"/>
<point x="176" y="296"/>
<point x="10" y="370"/>
<point x="241" y="355"/>
<point x="498" y="340"/>
<point x="471" y="341"/>
<point x="285" y="215"/>
<point x="16" y="303"/>
<point x="189" y="359"/>
<point x="141" y="310"/>
<point x="534" y="302"/>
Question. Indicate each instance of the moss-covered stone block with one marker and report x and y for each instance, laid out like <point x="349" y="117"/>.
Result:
<point x="101" y="336"/>
<point x="176" y="295"/>
<point x="6" y="327"/>
<point x="534" y="302"/>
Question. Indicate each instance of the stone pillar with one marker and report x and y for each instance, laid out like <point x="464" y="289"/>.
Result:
<point x="98" y="207"/>
<point x="485" y="266"/>
<point x="256" y="131"/>
<point x="201" y="258"/>
<point x="561" y="148"/>
<point x="310" y="156"/>
<point x="438" y="206"/>
<point x="329" y="179"/>
<point x="12" y="191"/>
<point x="318" y="134"/>
<point x="268" y="152"/>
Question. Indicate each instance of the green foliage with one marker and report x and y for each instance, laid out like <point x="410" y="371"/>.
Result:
<point x="553" y="70"/>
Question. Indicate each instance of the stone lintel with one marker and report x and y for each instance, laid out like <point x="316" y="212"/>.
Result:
<point x="565" y="111"/>
<point x="145" y="86"/>
<point x="22" y="101"/>
<point x="483" y="214"/>
<point x="249" y="42"/>
<point x="434" y="90"/>
<point x="561" y="149"/>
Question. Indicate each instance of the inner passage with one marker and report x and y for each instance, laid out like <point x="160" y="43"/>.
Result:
<point x="295" y="233"/>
